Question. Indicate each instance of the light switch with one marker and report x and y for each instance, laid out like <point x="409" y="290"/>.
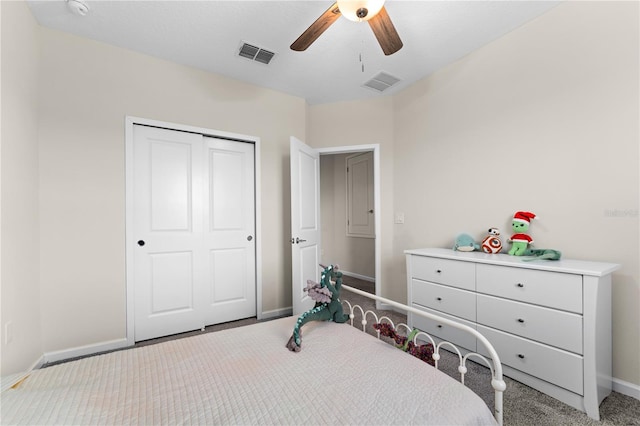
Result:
<point x="399" y="218"/>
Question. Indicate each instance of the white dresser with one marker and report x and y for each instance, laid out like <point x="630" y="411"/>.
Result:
<point x="550" y="321"/>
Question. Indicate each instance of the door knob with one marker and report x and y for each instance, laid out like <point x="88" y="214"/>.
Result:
<point x="249" y="238"/>
<point x="141" y="243"/>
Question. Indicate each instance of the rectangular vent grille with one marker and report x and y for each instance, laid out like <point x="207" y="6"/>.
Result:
<point x="381" y="82"/>
<point x="255" y="53"/>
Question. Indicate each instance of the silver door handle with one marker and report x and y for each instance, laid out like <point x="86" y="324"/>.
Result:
<point x="297" y="240"/>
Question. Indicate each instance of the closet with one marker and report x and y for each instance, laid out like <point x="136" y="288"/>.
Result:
<point x="193" y="230"/>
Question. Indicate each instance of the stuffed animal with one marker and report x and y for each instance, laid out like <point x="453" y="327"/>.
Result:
<point x="520" y="240"/>
<point x="464" y="242"/>
<point x="423" y="352"/>
<point x="492" y="244"/>
<point x="540" y="254"/>
<point x="328" y="306"/>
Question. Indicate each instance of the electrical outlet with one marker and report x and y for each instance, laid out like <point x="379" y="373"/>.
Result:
<point x="8" y="333"/>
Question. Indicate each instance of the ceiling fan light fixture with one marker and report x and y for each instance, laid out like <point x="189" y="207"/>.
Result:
<point x="360" y="10"/>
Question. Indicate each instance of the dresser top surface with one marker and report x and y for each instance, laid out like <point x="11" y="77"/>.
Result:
<point x="569" y="266"/>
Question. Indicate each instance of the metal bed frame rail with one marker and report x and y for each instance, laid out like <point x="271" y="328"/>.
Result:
<point x="495" y="367"/>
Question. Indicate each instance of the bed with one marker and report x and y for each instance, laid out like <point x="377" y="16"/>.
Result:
<point x="247" y="376"/>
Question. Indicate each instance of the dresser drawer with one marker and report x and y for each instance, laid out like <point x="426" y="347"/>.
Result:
<point x="443" y="271"/>
<point x="552" y="327"/>
<point x="551" y="289"/>
<point x="443" y="331"/>
<point x="553" y="365"/>
<point x="460" y="303"/>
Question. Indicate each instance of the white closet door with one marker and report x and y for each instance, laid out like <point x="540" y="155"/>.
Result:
<point x="194" y="225"/>
<point x="168" y="225"/>
<point x="230" y="231"/>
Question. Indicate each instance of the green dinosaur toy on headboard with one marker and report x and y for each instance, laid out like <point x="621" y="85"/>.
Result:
<point x="328" y="306"/>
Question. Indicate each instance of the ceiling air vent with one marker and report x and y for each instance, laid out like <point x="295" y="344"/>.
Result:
<point x="255" y="53"/>
<point x="381" y="82"/>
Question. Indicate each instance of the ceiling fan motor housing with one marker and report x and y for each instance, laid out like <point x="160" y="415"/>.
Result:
<point x="359" y="10"/>
<point x="372" y="11"/>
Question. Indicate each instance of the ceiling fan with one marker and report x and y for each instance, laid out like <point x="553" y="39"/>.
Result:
<point x="372" y="11"/>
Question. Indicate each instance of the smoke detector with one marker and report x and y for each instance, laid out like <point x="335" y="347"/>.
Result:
<point x="78" y="7"/>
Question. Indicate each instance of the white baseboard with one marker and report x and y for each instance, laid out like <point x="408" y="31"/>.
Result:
<point x="360" y="277"/>
<point x="626" y="388"/>
<point x="85" y="350"/>
<point x="80" y="351"/>
<point x="276" y="313"/>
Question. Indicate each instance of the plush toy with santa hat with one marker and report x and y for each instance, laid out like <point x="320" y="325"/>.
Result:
<point x="520" y="240"/>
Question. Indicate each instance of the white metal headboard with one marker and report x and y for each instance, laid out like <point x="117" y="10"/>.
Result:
<point x="495" y="367"/>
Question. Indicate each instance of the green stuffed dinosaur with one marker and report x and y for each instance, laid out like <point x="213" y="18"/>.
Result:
<point x="328" y="306"/>
<point x="540" y="254"/>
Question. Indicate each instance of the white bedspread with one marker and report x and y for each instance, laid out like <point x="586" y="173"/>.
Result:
<point x="247" y="376"/>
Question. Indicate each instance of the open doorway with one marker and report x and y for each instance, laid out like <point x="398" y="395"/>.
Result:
<point x="306" y="225"/>
<point x="349" y="195"/>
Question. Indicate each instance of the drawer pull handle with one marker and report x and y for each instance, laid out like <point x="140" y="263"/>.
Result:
<point x="520" y="285"/>
<point x="520" y="320"/>
<point x="521" y="356"/>
<point x="438" y="299"/>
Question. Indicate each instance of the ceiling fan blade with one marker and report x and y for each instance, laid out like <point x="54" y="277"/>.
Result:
<point x="385" y="32"/>
<point x="313" y="32"/>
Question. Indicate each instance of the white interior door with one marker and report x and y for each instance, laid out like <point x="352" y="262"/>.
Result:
<point x="194" y="225"/>
<point x="168" y="224"/>
<point x="360" y="196"/>
<point x="305" y="222"/>
<point x="230" y="231"/>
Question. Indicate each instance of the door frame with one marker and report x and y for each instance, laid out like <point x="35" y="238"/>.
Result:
<point x="375" y="148"/>
<point x="130" y="122"/>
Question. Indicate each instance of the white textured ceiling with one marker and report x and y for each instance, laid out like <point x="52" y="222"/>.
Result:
<point x="208" y="34"/>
